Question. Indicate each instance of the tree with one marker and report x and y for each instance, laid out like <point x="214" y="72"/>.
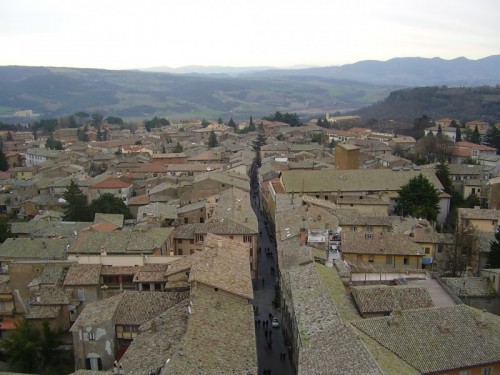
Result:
<point x="476" y="137"/>
<point x="110" y="204"/>
<point x="212" y="140"/>
<point x="439" y="132"/>
<point x="178" y="148"/>
<point x="9" y="137"/>
<point x="4" y="164"/>
<point x="461" y="250"/>
<point x="494" y="254"/>
<point x="231" y="123"/>
<point x="259" y="141"/>
<point x="76" y="208"/>
<point x="492" y="138"/>
<point x="114" y="120"/>
<point x="4" y="230"/>
<point x="97" y="120"/>
<point x="30" y="349"/>
<point x="418" y="198"/>
<point x="219" y="121"/>
<point x="53" y="144"/>
<point x="458" y="135"/>
<point x="155" y="122"/>
<point x="204" y="123"/>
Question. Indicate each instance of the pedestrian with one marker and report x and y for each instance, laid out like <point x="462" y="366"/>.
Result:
<point x="258" y="323"/>
<point x="281" y="356"/>
<point x="270" y="316"/>
<point x="270" y="334"/>
<point x="262" y="282"/>
<point x="265" y="333"/>
<point x="284" y="357"/>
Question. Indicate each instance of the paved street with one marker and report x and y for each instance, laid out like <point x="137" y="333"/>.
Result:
<point x="264" y="292"/>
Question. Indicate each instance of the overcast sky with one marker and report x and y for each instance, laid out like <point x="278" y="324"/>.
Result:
<point x="125" y="34"/>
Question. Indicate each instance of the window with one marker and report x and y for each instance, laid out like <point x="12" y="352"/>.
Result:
<point x="199" y="238"/>
<point x="486" y="371"/>
<point x="353" y="228"/>
<point x="427" y="250"/>
<point x="247" y="239"/>
<point x="186" y="220"/>
<point x="369" y="228"/>
<point x="388" y="259"/>
<point x="371" y="258"/>
<point x="230" y="237"/>
<point x="191" y="241"/>
<point x="464" y="372"/>
<point x="179" y="240"/>
<point x="94" y="363"/>
<point x="406" y="261"/>
<point x="92" y="336"/>
<point x="191" y="251"/>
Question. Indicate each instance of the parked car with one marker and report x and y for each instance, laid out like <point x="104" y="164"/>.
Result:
<point x="275" y="323"/>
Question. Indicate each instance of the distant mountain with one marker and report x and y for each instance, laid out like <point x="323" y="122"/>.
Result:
<point x="409" y="72"/>
<point x="200" y="69"/>
<point x="210" y="92"/>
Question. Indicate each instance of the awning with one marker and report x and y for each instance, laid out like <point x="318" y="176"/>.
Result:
<point x="427" y="260"/>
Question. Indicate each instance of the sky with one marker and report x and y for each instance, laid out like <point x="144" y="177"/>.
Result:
<point x="126" y="34"/>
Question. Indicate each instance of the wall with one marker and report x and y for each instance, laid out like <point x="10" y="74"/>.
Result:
<point x="415" y="262"/>
<point x="104" y="345"/>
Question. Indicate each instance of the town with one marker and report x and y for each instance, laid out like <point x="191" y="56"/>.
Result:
<point x="265" y="246"/>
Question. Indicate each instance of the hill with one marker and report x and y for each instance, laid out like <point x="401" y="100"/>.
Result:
<point x="241" y="92"/>
<point x="54" y="92"/>
<point x="436" y="102"/>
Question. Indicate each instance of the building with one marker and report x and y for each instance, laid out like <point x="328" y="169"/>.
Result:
<point x="346" y="156"/>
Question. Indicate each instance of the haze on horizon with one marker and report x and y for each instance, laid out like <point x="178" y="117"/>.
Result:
<point x="126" y="34"/>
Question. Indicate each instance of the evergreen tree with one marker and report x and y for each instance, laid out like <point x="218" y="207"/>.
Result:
<point x="76" y="208"/>
<point x="9" y="137"/>
<point x="4" y="230"/>
<point x="219" y="121"/>
<point x="259" y="141"/>
<point x="476" y="137"/>
<point x="418" y="198"/>
<point x="212" y="140"/>
<point x="4" y="165"/>
<point x="458" y="135"/>
<point x="439" y="131"/>
<point x="178" y="148"/>
<point x="494" y="254"/>
<point x="204" y="123"/>
<point x="492" y="138"/>
<point x="1" y="144"/>
<point x="231" y="123"/>
<point x="110" y="204"/>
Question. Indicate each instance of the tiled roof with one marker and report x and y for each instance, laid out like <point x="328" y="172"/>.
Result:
<point x="49" y="295"/>
<point x="220" y="338"/>
<point x="319" y="326"/>
<point x="153" y="346"/>
<point x="41" y="228"/>
<point x="234" y="204"/>
<point x="112" y="183"/>
<point x="138" y="307"/>
<point x="462" y="336"/>
<point x="98" y="312"/>
<point x="51" y="275"/>
<point x="120" y="242"/>
<point x="470" y="286"/>
<point x="290" y="222"/>
<point x="83" y="274"/>
<point x="224" y="265"/>
<point x="191" y="207"/>
<point x="42" y="312"/>
<point x="384" y="298"/>
<point x="333" y="180"/>
<point x="478" y="214"/>
<point x="379" y="243"/>
<point x="34" y="248"/>
<point x="115" y="219"/>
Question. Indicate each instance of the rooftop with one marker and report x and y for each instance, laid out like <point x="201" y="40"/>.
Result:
<point x="465" y="337"/>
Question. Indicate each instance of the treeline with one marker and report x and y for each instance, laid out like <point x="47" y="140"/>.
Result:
<point x="462" y="103"/>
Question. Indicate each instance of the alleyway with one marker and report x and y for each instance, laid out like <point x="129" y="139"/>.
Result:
<point x="271" y="346"/>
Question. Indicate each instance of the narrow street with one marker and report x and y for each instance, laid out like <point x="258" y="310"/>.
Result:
<point x="270" y="342"/>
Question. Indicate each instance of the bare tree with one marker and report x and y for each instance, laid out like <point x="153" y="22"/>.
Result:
<point x="460" y="250"/>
